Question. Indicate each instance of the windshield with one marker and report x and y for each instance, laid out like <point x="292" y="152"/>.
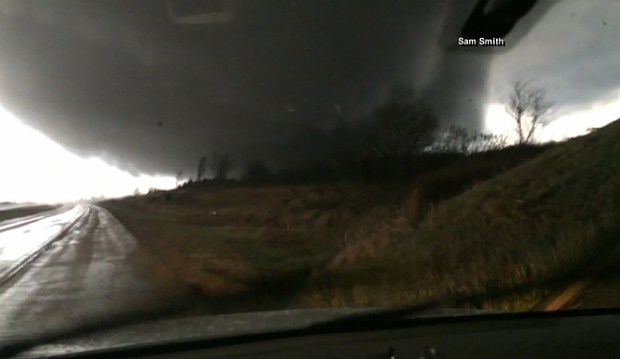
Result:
<point x="194" y="158"/>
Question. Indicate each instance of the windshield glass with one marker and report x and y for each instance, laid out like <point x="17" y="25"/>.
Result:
<point x="191" y="158"/>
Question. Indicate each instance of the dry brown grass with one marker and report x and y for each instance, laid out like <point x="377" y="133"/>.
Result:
<point x="330" y="245"/>
<point x="427" y="191"/>
<point x="538" y="223"/>
<point x="228" y="241"/>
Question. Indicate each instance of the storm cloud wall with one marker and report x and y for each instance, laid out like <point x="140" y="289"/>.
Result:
<point x="121" y="80"/>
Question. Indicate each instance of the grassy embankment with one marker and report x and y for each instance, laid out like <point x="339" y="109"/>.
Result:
<point x="521" y="232"/>
<point x="246" y="246"/>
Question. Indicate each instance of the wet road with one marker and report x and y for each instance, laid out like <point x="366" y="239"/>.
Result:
<point x="75" y="266"/>
<point x="23" y="238"/>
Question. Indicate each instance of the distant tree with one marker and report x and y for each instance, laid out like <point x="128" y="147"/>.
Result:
<point x="220" y="165"/>
<point x="529" y="109"/>
<point x="202" y="166"/>
<point x="397" y="129"/>
<point x="456" y="139"/>
<point x="178" y="177"/>
<point x="483" y="142"/>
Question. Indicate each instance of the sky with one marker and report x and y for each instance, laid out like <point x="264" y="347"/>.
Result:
<point x="103" y="97"/>
<point x="572" y="54"/>
<point x="36" y="169"/>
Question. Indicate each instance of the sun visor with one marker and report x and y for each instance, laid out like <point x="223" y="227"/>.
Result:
<point x="490" y="26"/>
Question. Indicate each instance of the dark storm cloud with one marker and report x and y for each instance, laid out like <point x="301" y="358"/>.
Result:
<point x="120" y="79"/>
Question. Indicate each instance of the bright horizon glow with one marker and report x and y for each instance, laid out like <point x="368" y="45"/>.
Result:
<point x="563" y="127"/>
<point x="36" y="169"/>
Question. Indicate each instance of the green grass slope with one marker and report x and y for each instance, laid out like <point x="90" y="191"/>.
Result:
<point x="545" y="220"/>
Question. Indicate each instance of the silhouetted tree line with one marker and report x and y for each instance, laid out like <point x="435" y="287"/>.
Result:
<point x="218" y="163"/>
<point x="398" y="141"/>
<point x="401" y="139"/>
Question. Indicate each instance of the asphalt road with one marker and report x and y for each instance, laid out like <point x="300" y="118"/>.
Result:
<point x="76" y="267"/>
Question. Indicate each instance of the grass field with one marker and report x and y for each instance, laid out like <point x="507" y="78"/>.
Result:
<point x="241" y="244"/>
<point x="506" y="240"/>
<point x="498" y="227"/>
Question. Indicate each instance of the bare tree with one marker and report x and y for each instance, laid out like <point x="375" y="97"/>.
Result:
<point x="398" y="129"/>
<point x="484" y="142"/>
<point x="456" y="139"/>
<point x="202" y="166"/>
<point x="529" y="109"/>
<point x="220" y="165"/>
<point x="178" y="177"/>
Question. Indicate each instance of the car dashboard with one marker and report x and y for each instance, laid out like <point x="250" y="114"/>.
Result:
<point x="572" y="334"/>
